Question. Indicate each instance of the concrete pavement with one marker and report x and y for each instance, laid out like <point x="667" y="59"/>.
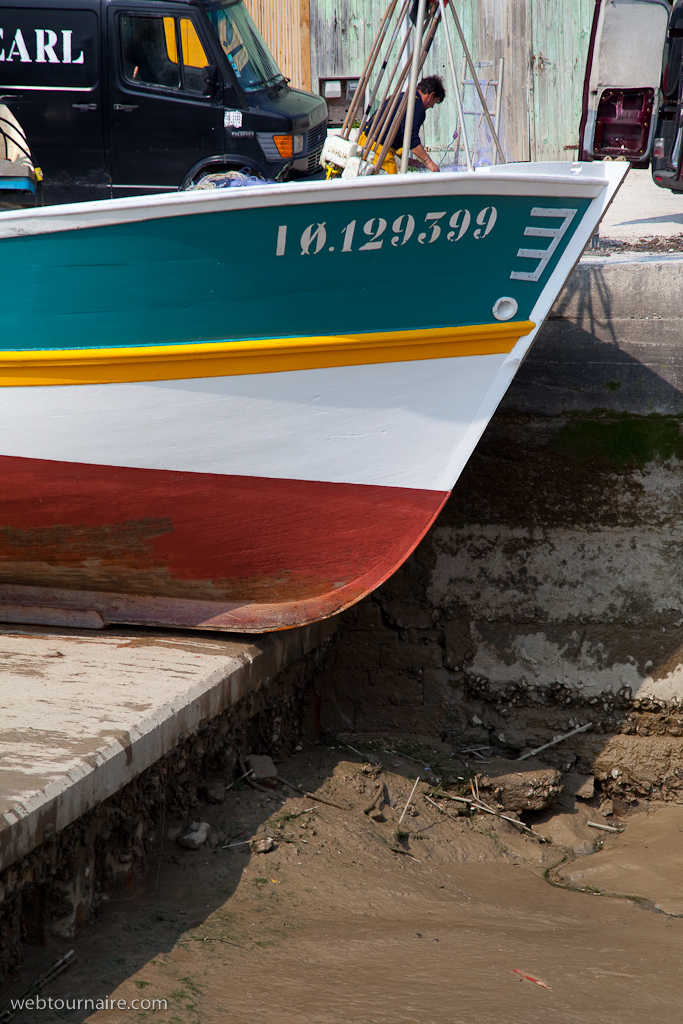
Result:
<point x="643" y="210"/>
<point x="83" y="713"/>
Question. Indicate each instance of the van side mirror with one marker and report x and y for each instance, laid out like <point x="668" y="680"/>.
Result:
<point x="210" y="73"/>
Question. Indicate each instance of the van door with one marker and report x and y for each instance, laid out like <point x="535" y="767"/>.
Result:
<point x="50" y="79"/>
<point x="165" y="99"/>
<point x="621" y="88"/>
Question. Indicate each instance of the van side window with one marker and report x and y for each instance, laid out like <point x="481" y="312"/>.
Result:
<point x="150" y="52"/>
<point x="194" y="57"/>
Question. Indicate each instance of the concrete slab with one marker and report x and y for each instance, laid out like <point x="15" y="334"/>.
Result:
<point x="84" y="713"/>
<point x="643" y="210"/>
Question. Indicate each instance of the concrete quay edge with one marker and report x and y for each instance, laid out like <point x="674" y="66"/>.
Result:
<point x="612" y="342"/>
<point x="102" y="771"/>
<point x="635" y="285"/>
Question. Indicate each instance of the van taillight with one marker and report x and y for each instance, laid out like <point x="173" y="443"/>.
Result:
<point x="658" y="149"/>
<point x="623" y="123"/>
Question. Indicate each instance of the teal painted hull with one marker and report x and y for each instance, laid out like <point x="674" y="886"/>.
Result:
<point x="216" y="276"/>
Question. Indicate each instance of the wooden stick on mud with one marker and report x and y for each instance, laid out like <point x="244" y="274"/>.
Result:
<point x="354" y="750"/>
<point x="478" y="806"/>
<point x="311" y="796"/>
<point x="604" y="828"/>
<point x="250" y="772"/>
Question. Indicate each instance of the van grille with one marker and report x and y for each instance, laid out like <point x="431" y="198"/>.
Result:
<point x="314" y="145"/>
<point x="317" y="136"/>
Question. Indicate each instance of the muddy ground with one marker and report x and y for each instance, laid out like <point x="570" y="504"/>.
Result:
<point x="350" y="919"/>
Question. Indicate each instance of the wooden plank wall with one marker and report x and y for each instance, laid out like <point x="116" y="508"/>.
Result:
<point x="544" y="43"/>
<point x="284" y="25"/>
<point x="558" y="61"/>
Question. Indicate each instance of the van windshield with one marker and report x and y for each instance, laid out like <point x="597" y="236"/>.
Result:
<point x="249" y="57"/>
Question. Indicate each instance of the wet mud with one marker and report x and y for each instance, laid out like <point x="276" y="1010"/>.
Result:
<point x="451" y="916"/>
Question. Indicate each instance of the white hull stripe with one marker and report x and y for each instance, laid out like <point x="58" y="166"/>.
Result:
<point x="393" y="424"/>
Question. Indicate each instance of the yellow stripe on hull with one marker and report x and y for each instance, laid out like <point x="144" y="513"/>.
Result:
<point x="225" y="359"/>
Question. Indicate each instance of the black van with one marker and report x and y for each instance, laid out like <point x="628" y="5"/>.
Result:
<point x="130" y="97"/>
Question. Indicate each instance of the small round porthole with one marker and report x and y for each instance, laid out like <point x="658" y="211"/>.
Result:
<point x="505" y="308"/>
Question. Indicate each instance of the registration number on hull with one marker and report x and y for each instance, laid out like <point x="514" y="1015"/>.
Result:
<point x="371" y="236"/>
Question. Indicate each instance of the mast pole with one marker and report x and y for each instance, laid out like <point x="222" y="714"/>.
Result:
<point x="412" y="87"/>
<point x="456" y="90"/>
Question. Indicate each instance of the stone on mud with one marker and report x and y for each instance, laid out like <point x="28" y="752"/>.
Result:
<point x="521" y="785"/>
<point x="215" y="793"/>
<point x="195" y="836"/>
<point x="264" y="845"/>
<point x="264" y="771"/>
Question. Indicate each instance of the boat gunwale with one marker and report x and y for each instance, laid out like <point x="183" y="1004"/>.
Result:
<point x="109" y="212"/>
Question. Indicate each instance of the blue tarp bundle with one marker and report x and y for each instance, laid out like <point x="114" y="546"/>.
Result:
<point x="229" y="179"/>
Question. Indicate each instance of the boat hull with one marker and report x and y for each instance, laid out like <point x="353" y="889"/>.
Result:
<point x="194" y="450"/>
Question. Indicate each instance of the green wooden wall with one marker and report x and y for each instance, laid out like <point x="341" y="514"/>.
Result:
<point x="544" y="44"/>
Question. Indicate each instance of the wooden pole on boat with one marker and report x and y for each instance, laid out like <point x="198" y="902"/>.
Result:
<point x="385" y="126"/>
<point x="377" y="129"/>
<point x="387" y="107"/>
<point x="380" y="74"/>
<point x="367" y="70"/>
<point x="499" y="99"/>
<point x="382" y="108"/>
<point x="456" y="90"/>
<point x="389" y="118"/>
<point x="389" y="135"/>
<point x="477" y="86"/>
<point x="412" y="87"/>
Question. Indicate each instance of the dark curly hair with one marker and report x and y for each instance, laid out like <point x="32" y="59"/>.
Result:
<point x="433" y="84"/>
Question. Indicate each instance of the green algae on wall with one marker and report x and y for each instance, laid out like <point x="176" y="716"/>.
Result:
<point x="620" y="440"/>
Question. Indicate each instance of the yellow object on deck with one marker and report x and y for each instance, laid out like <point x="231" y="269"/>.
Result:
<point x="389" y="165"/>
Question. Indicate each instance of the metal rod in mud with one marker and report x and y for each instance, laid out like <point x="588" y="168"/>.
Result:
<point x="412" y="793"/>
<point x="475" y="76"/>
<point x="412" y="87"/>
<point x="558" y="739"/>
<point x="456" y="90"/>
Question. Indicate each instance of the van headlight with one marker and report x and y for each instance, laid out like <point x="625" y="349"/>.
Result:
<point x="289" y="145"/>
